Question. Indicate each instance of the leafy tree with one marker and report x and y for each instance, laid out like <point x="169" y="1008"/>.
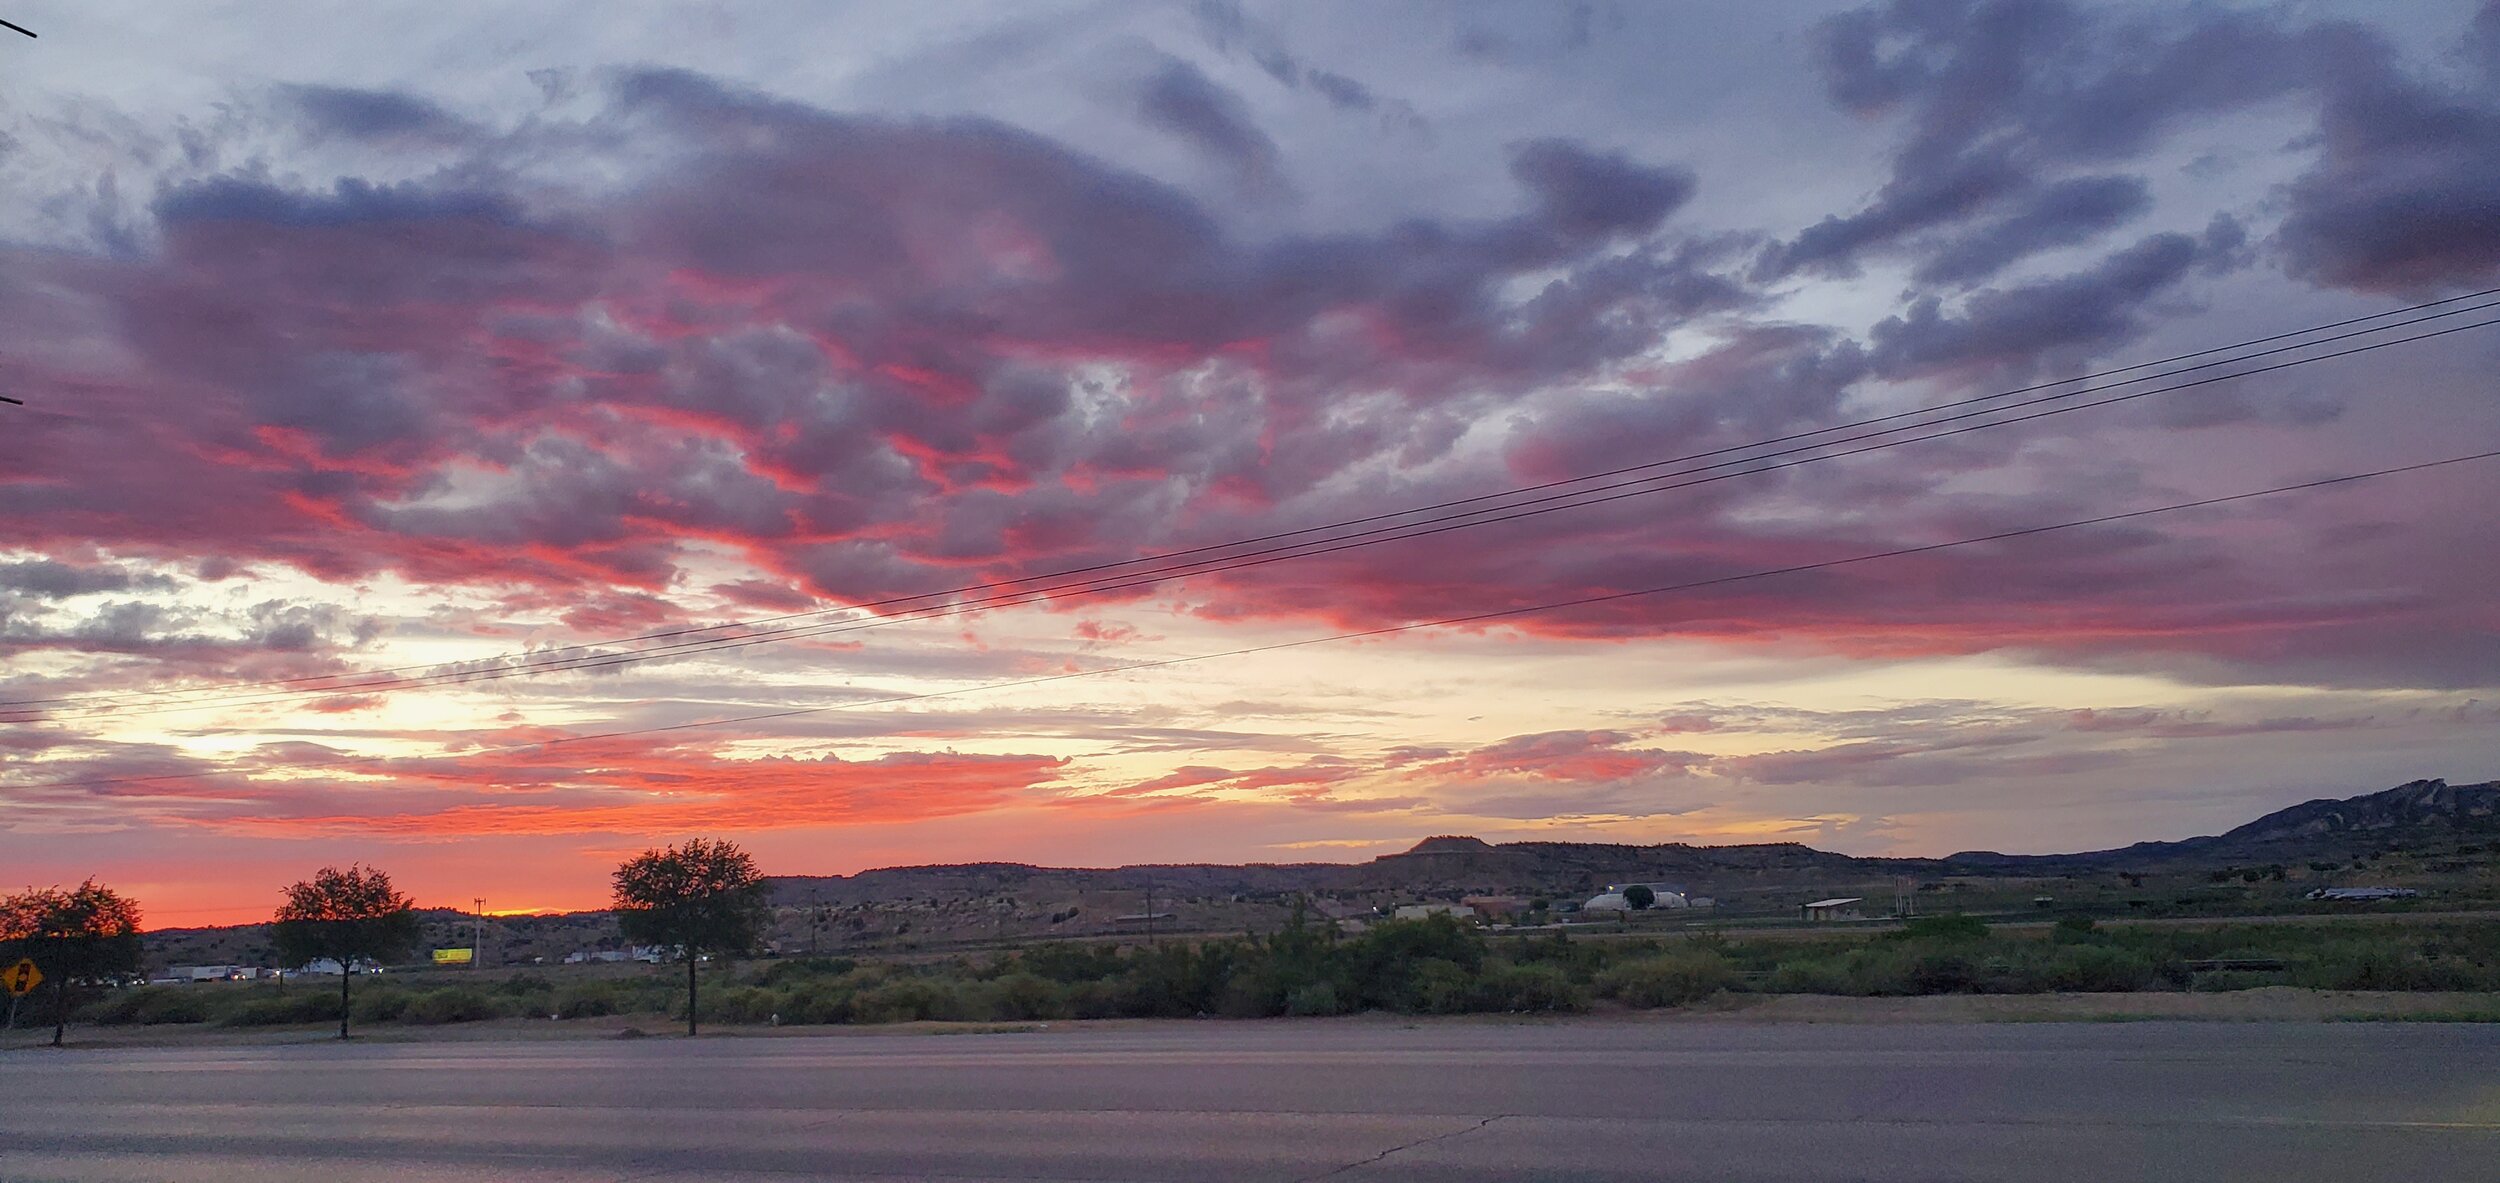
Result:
<point x="85" y="937"/>
<point x="1640" y="897"/>
<point x="702" y="897"/>
<point x="344" y="916"/>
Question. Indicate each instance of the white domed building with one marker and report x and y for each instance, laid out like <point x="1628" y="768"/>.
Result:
<point x="1667" y="895"/>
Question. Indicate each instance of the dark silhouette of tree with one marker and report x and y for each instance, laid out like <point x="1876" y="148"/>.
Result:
<point x="702" y="897"/>
<point x="344" y="916"/>
<point x="86" y="937"/>
<point x="1640" y="897"/>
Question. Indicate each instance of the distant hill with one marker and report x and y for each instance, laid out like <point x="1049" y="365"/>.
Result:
<point x="1449" y="863"/>
<point x="2422" y="807"/>
<point x="907" y="907"/>
<point x="2324" y="828"/>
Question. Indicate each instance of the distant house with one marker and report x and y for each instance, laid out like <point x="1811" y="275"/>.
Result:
<point x="653" y="954"/>
<point x="1349" y="918"/>
<point x="326" y="967"/>
<point x="1495" y="907"/>
<point x="2362" y="894"/>
<point x="1842" y="908"/>
<point x="1427" y="911"/>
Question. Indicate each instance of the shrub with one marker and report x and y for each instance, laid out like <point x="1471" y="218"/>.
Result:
<point x="585" y="1001"/>
<point x="1668" y="979"/>
<point x="375" y="1006"/>
<point x="451" y="1004"/>
<point x="1810" y="975"/>
<point x="1022" y="995"/>
<point x="2098" y="969"/>
<point x="2075" y="930"/>
<point x="1938" y="972"/>
<point x="741" y="1004"/>
<point x="172" y="1006"/>
<point x="147" y="1005"/>
<point x="1442" y="988"/>
<point x="1318" y="998"/>
<point x="2359" y="966"/>
<point x="796" y="969"/>
<point x="1528" y="988"/>
<point x="271" y="1010"/>
<point x="818" y="1002"/>
<point x="903" y="1000"/>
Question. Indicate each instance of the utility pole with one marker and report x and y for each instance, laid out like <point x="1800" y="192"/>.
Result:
<point x="477" y="939"/>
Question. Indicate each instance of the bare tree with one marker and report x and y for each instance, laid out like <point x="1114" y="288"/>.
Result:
<point x="702" y="897"/>
<point x="344" y="916"/>
<point x="85" y="937"/>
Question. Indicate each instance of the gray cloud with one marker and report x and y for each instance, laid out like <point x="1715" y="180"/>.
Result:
<point x="2061" y="214"/>
<point x="2090" y="309"/>
<point x="1180" y="99"/>
<point x="373" y="114"/>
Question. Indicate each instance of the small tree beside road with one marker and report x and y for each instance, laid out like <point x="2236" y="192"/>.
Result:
<point x="86" y="937"/>
<point x="702" y="897"/>
<point x="344" y="916"/>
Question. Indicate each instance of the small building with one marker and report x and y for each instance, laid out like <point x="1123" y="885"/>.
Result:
<point x="2363" y="894"/>
<point x="1427" y="911"/>
<point x="1661" y="895"/>
<point x="1496" y="907"/>
<point x="1840" y="908"/>
<point x="324" y="967"/>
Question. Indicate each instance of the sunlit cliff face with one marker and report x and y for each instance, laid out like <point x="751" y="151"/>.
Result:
<point x="384" y="346"/>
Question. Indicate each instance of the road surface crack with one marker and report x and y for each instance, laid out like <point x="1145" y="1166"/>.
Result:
<point x="1360" y="1164"/>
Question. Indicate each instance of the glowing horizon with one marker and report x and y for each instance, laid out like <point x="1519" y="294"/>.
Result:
<point x="331" y="368"/>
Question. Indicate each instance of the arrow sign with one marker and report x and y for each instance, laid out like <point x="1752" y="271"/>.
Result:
<point x="21" y="978"/>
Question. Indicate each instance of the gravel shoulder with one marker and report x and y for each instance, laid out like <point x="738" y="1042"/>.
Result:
<point x="2267" y="1004"/>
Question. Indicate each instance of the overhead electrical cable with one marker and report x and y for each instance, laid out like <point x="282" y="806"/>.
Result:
<point x="536" y="655"/>
<point x="1386" y="630"/>
<point x="1485" y="515"/>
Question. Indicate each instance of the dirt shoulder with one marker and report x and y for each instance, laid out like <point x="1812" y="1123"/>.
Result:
<point x="2267" y="1004"/>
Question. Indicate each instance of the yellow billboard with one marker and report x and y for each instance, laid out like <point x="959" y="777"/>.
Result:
<point x="454" y="956"/>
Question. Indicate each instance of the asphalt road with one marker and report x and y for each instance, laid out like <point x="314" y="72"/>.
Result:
<point x="1353" y="1102"/>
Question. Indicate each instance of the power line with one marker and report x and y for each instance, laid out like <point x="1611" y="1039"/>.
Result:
<point x="1388" y="630"/>
<point x="558" y="666"/>
<point x="1465" y="519"/>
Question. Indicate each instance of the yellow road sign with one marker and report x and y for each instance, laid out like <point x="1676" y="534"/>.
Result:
<point x="21" y="978"/>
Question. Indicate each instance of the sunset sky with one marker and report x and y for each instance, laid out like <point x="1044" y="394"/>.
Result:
<point x="440" y="338"/>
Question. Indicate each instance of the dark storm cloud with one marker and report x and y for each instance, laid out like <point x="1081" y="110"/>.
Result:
<point x="1180" y="99"/>
<point x="2405" y="196"/>
<point x="352" y="201"/>
<point x="1998" y="98"/>
<point x="2093" y="308"/>
<point x="52" y="580"/>
<point x="873" y="356"/>
<point x="1917" y="201"/>
<point x="372" y="114"/>
<point x="1593" y="194"/>
<point x="2062" y="214"/>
